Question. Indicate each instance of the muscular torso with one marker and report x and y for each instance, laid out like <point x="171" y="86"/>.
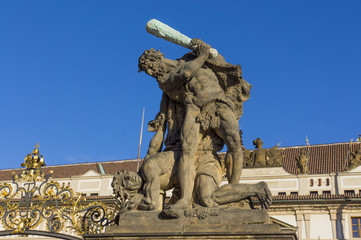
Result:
<point x="202" y="88"/>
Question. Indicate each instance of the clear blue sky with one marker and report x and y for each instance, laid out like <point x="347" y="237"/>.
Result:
<point x="69" y="80"/>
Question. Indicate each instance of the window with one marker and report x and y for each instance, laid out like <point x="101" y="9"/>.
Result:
<point x="311" y="182"/>
<point x="327" y="182"/>
<point x="282" y="193"/>
<point x="94" y="194"/>
<point x="319" y="182"/>
<point x="356" y="226"/>
<point x="349" y="192"/>
<point x="294" y="193"/>
<point x="314" y="193"/>
<point x="326" y="192"/>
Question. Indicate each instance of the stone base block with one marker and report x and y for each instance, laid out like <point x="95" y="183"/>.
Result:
<point x="225" y="224"/>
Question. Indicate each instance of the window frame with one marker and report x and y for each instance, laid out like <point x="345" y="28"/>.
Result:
<point x="358" y="217"/>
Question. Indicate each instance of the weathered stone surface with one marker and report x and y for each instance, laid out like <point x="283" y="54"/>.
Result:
<point x="230" y="220"/>
<point x="229" y="224"/>
<point x="195" y="236"/>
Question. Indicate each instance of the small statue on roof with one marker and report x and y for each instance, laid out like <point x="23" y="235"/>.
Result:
<point x="262" y="156"/>
<point x="355" y="160"/>
<point x="302" y="162"/>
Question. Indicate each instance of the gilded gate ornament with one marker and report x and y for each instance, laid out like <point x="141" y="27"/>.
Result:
<point x="32" y="198"/>
<point x="33" y="162"/>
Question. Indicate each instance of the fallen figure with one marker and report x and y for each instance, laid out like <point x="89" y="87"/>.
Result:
<point x="159" y="173"/>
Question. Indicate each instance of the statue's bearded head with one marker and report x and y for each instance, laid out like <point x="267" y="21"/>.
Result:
<point x="151" y="63"/>
<point x="125" y="184"/>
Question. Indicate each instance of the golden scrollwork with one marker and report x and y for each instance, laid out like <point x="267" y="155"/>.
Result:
<point x="24" y="205"/>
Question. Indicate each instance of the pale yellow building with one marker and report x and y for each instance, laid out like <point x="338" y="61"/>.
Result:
<point x="323" y="204"/>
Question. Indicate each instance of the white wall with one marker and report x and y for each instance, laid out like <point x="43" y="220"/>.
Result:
<point x="320" y="226"/>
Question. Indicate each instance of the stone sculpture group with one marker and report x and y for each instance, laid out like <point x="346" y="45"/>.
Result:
<point x="201" y="104"/>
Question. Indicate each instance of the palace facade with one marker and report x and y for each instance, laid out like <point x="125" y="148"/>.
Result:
<point x="324" y="202"/>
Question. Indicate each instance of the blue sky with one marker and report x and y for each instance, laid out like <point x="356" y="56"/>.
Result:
<point x="69" y="80"/>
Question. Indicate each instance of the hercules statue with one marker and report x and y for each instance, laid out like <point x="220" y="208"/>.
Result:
<point x="202" y="102"/>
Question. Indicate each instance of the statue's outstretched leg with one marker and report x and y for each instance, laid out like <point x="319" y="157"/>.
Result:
<point x="235" y="192"/>
<point x="228" y="130"/>
<point x="190" y="138"/>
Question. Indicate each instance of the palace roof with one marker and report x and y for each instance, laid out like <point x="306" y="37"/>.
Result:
<point x="323" y="158"/>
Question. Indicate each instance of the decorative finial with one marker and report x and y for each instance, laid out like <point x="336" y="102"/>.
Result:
<point x="36" y="149"/>
<point x="33" y="162"/>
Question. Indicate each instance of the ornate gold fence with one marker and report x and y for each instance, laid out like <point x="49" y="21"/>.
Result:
<point x="32" y="199"/>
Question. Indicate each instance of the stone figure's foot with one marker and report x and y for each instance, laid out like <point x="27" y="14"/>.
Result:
<point x="264" y="195"/>
<point x="148" y="201"/>
<point x="177" y="209"/>
<point x="171" y="213"/>
<point x="146" y="207"/>
<point x="181" y="204"/>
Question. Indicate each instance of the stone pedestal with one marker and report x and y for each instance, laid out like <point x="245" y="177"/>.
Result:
<point x="226" y="224"/>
